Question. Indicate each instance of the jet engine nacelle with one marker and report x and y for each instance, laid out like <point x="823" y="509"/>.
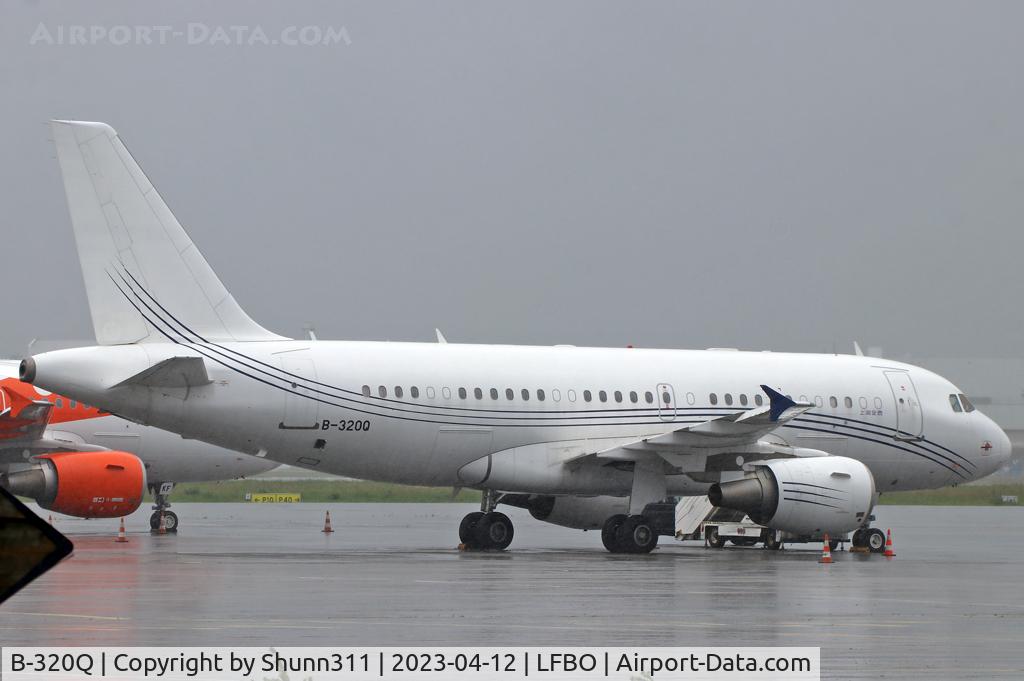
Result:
<point x="84" y="484"/>
<point x="579" y="513"/>
<point x="804" y="496"/>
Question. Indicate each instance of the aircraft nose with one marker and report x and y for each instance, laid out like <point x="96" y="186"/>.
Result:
<point x="1002" y="441"/>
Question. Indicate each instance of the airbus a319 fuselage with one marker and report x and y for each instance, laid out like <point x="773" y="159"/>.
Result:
<point x="441" y="414"/>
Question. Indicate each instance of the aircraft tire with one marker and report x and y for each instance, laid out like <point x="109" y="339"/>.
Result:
<point x="636" y="535"/>
<point x="467" y="534"/>
<point x="874" y="539"/>
<point x="610" y="531"/>
<point x="494" y="531"/>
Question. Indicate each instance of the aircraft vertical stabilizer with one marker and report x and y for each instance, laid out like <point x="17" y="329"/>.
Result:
<point x="145" y="279"/>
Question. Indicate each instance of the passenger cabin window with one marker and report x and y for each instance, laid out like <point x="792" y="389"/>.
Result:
<point x="571" y="395"/>
<point x="59" y="403"/>
<point x="399" y="392"/>
<point x="728" y="398"/>
<point x="743" y="399"/>
<point x="848" y="401"/>
<point x="462" y="393"/>
<point x="758" y="400"/>
<point x="415" y="392"/>
<point x="955" y="403"/>
<point x="833" y="402"/>
<point x="666" y="398"/>
<point x="968" y="407"/>
<point x="478" y="393"/>
<point x="494" y="393"/>
<point x="587" y="396"/>
<point x="510" y="394"/>
<point x="714" y="398"/>
<point x="633" y="397"/>
<point x="540" y="395"/>
<point x="446" y="393"/>
<point x="555" y="395"/>
<point x="382" y="391"/>
<point x="526" y="395"/>
<point x="366" y="391"/>
<point x="618" y="395"/>
<point x="649" y="397"/>
<point x="430" y="392"/>
<point x="602" y="395"/>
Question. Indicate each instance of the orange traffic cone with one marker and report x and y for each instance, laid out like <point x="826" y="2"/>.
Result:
<point x="890" y="552"/>
<point x="121" y="536"/>
<point x="826" y="552"/>
<point x="327" y="524"/>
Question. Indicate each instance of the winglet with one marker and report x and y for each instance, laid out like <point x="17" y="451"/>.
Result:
<point x="779" y="403"/>
<point x="856" y="349"/>
<point x="440" y="336"/>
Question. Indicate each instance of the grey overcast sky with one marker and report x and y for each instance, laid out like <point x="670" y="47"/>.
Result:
<point x="763" y="175"/>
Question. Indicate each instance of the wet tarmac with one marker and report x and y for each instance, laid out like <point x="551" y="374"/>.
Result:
<point x="950" y="605"/>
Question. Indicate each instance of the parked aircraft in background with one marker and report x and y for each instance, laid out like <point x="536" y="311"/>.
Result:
<point x="78" y="460"/>
<point x="584" y="437"/>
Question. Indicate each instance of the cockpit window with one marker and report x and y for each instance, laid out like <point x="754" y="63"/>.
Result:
<point x="968" y="407"/>
<point x="955" y="403"/>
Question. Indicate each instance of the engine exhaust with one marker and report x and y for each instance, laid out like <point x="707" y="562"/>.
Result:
<point x="757" y="496"/>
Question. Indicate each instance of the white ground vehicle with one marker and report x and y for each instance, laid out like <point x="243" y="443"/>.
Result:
<point x="697" y="519"/>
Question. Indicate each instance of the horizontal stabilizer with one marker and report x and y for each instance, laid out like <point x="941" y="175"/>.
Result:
<point x="174" y="372"/>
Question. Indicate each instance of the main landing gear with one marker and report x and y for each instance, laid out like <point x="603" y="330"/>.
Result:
<point x="486" y="529"/>
<point x="160" y="506"/>
<point x="629" y="534"/>
<point x="870" y="538"/>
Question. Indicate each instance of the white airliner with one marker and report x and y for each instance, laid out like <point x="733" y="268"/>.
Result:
<point x="583" y="437"/>
<point x="75" y="459"/>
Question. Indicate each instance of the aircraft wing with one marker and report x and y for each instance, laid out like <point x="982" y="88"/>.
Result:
<point x="713" y="445"/>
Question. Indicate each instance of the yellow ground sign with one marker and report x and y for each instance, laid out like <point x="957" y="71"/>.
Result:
<point x="275" y="498"/>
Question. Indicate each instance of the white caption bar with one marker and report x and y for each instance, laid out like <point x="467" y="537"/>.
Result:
<point x="409" y="664"/>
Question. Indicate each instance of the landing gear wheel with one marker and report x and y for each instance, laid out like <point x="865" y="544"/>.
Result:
<point x="771" y="540"/>
<point x="494" y="531"/>
<point x="858" y="540"/>
<point x="713" y="539"/>
<point x="875" y="540"/>
<point x="170" y="521"/>
<point x="636" y="535"/>
<point x="610" y="531"/>
<point x="467" y="527"/>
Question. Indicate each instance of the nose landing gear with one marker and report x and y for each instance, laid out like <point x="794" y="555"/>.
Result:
<point x="160" y="506"/>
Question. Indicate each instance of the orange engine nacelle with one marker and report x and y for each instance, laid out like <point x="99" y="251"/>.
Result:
<point x="84" y="484"/>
